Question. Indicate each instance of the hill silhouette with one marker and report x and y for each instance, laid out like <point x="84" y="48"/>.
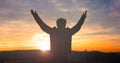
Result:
<point x="37" y="56"/>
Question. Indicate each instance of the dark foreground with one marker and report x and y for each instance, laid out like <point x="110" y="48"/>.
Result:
<point x="37" y="56"/>
<point x="49" y="62"/>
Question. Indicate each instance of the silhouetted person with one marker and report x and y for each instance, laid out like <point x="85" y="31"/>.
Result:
<point x="60" y="36"/>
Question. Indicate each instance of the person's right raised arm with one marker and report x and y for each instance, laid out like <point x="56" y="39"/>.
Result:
<point x="39" y="21"/>
<point x="79" y="24"/>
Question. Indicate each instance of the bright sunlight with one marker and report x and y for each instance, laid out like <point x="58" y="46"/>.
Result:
<point x="42" y="41"/>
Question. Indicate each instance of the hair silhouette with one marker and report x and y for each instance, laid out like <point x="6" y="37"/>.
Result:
<point x="60" y="36"/>
<point x="61" y="23"/>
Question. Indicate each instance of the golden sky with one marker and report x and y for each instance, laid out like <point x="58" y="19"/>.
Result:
<point x="100" y="31"/>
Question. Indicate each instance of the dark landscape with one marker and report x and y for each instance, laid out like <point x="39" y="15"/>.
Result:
<point x="37" y="56"/>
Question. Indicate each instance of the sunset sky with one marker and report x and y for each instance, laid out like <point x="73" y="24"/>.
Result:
<point x="100" y="31"/>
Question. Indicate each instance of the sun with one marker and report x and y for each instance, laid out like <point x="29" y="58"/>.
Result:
<point x="44" y="46"/>
<point x="42" y="41"/>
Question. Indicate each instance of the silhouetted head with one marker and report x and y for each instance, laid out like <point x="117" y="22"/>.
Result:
<point x="61" y="23"/>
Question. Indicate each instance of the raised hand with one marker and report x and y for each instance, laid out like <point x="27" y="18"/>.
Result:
<point x="35" y="15"/>
<point x="32" y="12"/>
<point x="85" y="13"/>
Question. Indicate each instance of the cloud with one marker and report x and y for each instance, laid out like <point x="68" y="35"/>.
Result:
<point x="14" y="10"/>
<point x="58" y="6"/>
<point x="114" y="14"/>
<point x="74" y="1"/>
<point x="17" y="31"/>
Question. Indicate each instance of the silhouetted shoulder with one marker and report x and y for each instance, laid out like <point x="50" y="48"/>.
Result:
<point x="52" y="30"/>
<point x="67" y="28"/>
<point x="54" y="27"/>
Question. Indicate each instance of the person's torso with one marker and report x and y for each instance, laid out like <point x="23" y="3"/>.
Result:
<point x="60" y="40"/>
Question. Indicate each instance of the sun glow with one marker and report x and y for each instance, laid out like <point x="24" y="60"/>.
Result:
<point x="42" y="41"/>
